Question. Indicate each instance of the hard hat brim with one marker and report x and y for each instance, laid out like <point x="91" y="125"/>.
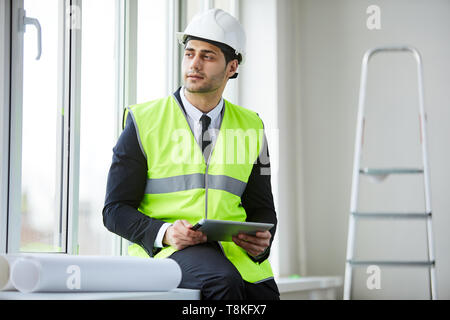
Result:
<point x="181" y="36"/>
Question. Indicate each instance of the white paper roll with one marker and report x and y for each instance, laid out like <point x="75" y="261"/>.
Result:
<point x="5" y="273"/>
<point x="66" y="273"/>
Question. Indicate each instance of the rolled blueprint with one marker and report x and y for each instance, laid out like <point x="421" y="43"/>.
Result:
<point x="66" y="273"/>
<point x="5" y="273"/>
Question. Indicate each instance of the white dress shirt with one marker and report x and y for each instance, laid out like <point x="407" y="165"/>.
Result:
<point x="193" y="116"/>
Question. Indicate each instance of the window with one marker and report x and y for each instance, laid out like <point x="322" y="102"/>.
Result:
<point x="193" y="7"/>
<point x="71" y="103"/>
<point x="42" y="138"/>
<point x="98" y="123"/>
<point x="226" y="5"/>
<point x="152" y="50"/>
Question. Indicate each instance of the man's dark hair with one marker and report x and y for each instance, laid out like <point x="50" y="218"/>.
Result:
<point x="228" y="52"/>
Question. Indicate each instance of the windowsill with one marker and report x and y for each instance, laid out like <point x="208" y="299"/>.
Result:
<point x="176" y="294"/>
<point x="301" y="288"/>
<point x="309" y="287"/>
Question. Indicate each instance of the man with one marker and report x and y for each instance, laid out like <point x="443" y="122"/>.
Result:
<point x="159" y="185"/>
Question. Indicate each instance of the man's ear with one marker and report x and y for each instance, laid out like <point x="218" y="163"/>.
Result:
<point x="233" y="67"/>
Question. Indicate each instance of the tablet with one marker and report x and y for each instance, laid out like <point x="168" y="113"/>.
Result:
<point x="223" y="230"/>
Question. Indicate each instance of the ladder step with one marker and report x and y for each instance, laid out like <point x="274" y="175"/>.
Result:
<point x="391" y="263"/>
<point x="387" y="171"/>
<point x="386" y="215"/>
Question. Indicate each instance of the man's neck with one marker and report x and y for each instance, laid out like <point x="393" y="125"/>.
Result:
<point x="205" y="102"/>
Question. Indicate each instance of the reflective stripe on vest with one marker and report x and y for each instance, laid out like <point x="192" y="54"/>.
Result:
<point x="193" y="190"/>
<point x="194" y="181"/>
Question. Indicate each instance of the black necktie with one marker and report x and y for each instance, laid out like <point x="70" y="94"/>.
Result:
<point x="204" y="138"/>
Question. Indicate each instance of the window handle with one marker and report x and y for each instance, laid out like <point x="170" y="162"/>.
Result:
<point x="23" y="21"/>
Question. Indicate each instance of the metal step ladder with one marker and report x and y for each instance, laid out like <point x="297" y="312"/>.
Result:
<point x="380" y="174"/>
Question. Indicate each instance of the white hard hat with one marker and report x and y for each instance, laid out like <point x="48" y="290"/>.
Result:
<point x="217" y="25"/>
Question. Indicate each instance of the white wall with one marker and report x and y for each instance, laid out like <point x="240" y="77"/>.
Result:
<point x="302" y="75"/>
<point x="333" y="37"/>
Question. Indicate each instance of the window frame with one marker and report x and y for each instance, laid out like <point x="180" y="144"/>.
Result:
<point x="72" y="103"/>
<point x="15" y="145"/>
<point x="5" y="87"/>
<point x="12" y="109"/>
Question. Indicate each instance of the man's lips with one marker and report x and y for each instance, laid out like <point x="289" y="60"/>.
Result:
<point x="195" y="77"/>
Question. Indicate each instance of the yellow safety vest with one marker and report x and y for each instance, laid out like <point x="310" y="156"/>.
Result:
<point x="182" y="185"/>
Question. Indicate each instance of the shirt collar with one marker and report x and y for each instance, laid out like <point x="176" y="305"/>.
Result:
<point x="195" y="113"/>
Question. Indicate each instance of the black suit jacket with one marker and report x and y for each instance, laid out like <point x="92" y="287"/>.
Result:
<point x="126" y="185"/>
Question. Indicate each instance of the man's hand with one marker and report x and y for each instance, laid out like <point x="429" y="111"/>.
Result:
<point x="254" y="245"/>
<point x="179" y="235"/>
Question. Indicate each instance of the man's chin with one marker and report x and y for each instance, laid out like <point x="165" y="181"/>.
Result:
<point x="192" y="88"/>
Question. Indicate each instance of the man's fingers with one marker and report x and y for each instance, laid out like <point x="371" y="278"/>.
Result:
<point x="261" y="241"/>
<point x="184" y="228"/>
<point x="252" y="248"/>
<point x="185" y="223"/>
<point x="188" y="228"/>
<point x="183" y="236"/>
<point x="264" y="234"/>
<point x="254" y="245"/>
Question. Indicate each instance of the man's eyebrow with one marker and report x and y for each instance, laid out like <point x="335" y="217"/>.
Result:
<point x="203" y="50"/>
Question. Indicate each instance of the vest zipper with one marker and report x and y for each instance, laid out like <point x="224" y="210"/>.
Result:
<point x="207" y="164"/>
<point x="206" y="186"/>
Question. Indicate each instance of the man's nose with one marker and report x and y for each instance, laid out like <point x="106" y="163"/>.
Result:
<point x="196" y="63"/>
